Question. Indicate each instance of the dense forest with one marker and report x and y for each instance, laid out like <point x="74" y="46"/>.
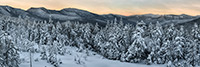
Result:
<point x="140" y="43"/>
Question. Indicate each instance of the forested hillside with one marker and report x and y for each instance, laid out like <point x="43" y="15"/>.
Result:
<point x="140" y="43"/>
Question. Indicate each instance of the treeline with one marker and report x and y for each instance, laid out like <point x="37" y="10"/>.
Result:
<point x="148" y="44"/>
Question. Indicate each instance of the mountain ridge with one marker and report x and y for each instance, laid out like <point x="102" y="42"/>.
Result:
<point x="83" y="16"/>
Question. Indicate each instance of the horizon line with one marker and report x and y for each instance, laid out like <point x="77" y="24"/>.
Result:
<point x="25" y="9"/>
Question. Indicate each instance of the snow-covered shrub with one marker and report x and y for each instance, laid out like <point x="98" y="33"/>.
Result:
<point x="79" y="59"/>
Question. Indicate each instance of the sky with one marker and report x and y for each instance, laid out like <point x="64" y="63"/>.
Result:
<point x="122" y="7"/>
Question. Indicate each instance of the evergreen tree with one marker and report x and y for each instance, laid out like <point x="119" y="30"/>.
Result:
<point x="9" y="55"/>
<point x="137" y="50"/>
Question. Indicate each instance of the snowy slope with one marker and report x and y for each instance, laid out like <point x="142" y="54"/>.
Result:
<point x="90" y="61"/>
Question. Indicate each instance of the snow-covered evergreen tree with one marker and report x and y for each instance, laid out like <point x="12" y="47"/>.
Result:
<point x="9" y="56"/>
<point x="156" y="45"/>
<point x="137" y="50"/>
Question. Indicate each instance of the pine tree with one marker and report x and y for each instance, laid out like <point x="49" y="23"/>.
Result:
<point x="156" y="44"/>
<point x="137" y="50"/>
<point x="179" y="44"/>
<point x="43" y="53"/>
<point x="9" y="55"/>
<point x="53" y="52"/>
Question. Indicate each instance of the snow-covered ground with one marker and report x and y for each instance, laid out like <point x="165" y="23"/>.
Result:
<point x="87" y="61"/>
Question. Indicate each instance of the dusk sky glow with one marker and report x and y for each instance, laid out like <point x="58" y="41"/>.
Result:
<point x="123" y="7"/>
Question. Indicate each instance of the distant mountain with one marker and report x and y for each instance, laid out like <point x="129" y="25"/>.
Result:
<point x="161" y="18"/>
<point x="14" y="12"/>
<point x="83" y="16"/>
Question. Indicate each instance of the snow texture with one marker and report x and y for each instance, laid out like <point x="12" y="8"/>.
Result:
<point x="90" y="61"/>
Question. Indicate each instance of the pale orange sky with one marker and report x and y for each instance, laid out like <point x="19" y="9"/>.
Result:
<point x="123" y="7"/>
